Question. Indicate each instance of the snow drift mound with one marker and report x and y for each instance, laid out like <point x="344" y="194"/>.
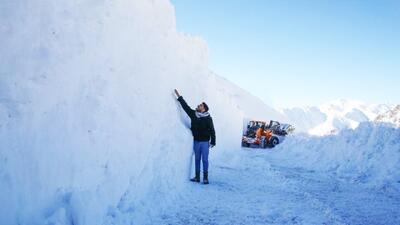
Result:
<point x="89" y="130"/>
<point x="369" y="154"/>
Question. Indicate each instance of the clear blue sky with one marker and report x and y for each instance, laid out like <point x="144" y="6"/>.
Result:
<point x="295" y="53"/>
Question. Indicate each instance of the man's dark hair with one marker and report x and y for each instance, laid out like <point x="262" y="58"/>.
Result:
<point x="205" y="106"/>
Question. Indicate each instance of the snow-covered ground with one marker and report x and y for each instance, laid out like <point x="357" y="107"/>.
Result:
<point x="90" y="132"/>
<point x="262" y="187"/>
<point x="350" y="178"/>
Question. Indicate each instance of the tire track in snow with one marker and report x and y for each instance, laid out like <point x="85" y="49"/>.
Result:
<point x="295" y="181"/>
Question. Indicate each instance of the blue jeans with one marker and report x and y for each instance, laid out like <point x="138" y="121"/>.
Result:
<point x="201" y="149"/>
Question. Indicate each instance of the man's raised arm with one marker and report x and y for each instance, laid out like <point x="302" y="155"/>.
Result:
<point x="185" y="106"/>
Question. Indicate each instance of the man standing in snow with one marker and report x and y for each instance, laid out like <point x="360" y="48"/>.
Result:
<point x="203" y="131"/>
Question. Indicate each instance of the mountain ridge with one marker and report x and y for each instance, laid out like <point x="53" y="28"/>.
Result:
<point x="333" y="116"/>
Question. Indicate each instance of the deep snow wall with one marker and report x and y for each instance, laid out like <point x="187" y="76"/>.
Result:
<point x="90" y="132"/>
<point x="84" y="118"/>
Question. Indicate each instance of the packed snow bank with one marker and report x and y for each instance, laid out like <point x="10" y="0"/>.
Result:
<point x="369" y="154"/>
<point x="90" y="132"/>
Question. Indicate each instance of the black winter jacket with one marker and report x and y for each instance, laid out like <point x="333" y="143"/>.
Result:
<point x="203" y="127"/>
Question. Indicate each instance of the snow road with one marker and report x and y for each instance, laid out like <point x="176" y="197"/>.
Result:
<point x="259" y="187"/>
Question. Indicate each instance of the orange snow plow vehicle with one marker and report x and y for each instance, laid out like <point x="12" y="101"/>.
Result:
<point x="259" y="134"/>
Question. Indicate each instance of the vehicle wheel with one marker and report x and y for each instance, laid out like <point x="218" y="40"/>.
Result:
<point x="274" y="141"/>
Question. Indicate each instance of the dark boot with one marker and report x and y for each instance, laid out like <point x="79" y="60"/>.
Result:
<point x="205" y="178"/>
<point x="196" y="178"/>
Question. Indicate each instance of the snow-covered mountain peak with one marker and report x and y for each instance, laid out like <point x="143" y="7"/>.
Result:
<point x="345" y="106"/>
<point x="343" y="103"/>
<point x="391" y="116"/>
<point x="333" y="116"/>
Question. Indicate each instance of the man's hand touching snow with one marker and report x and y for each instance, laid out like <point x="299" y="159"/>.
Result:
<point x="177" y="93"/>
<point x="212" y="146"/>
